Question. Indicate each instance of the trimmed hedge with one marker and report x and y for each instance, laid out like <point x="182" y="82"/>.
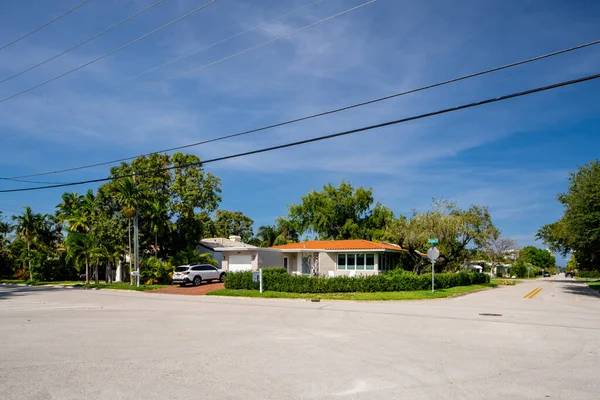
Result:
<point x="278" y="280"/>
<point x="585" y="274"/>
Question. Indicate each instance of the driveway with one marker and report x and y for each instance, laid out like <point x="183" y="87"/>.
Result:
<point x="73" y="344"/>
<point x="191" y="290"/>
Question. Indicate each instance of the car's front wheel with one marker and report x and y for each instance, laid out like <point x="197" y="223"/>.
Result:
<point x="197" y="281"/>
<point x="222" y="277"/>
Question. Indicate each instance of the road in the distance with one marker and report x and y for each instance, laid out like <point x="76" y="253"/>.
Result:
<point x="75" y="344"/>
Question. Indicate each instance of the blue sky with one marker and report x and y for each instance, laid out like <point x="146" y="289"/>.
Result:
<point x="513" y="156"/>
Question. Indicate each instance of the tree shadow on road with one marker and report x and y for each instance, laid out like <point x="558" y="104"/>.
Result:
<point x="8" y="291"/>
<point x="580" y="288"/>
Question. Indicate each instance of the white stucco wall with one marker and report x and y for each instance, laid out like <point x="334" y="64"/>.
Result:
<point x="269" y="259"/>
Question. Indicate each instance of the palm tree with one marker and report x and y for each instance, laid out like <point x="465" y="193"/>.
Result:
<point x="158" y="217"/>
<point x="28" y="226"/>
<point x="69" y="203"/>
<point x="267" y="235"/>
<point x="129" y="196"/>
<point x="84" y="247"/>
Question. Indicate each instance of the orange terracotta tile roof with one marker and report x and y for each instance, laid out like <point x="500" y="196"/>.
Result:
<point x="339" y="245"/>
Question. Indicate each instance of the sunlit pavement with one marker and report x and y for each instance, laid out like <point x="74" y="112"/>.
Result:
<point x="536" y="340"/>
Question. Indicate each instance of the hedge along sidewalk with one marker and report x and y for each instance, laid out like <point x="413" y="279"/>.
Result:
<point x="372" y="296"/>
<point x="278" y="280"/>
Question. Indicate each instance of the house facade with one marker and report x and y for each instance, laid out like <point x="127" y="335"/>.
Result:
<point x="235" y="255"/>
<point x="339" y="257"/>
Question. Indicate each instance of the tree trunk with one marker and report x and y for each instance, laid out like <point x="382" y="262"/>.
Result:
<point x="108" y="272"/>
<point x="87" y="272"/>
<point x="155" y="244"/>
<point x="96" y="277"/>
<point x="29" y="260"/>
<point x="130" y="258"/>
<point x="119" y="273"/>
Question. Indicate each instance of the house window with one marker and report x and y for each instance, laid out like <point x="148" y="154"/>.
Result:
<point x="341" y="261"/>
<point x="370" y="261"/>
<point x="350" y="259"/>
<point x="358" y="261"/>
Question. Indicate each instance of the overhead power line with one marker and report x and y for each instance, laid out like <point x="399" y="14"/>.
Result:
<point x="287" y="14"/>
<point x="311" y="116"/>
<point x="107" y="54"/>
<point x="215" y="62"/>
<point x="320" y="138"/>
<point x="83" y="42"/>
<point x="45" y="25"/>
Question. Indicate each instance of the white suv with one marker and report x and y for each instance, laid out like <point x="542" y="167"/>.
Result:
<point x="196" y="274"/>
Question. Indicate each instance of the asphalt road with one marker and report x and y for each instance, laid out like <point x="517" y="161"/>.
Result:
<point x="75" y="344"/>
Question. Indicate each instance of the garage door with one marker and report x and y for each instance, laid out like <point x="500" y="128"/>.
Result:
<point x="240" y="263"/>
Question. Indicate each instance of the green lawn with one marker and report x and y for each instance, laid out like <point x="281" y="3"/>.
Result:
<point x="412" y="295"/>
<point x="594" y="285"/>
<point x="79" y="284"/>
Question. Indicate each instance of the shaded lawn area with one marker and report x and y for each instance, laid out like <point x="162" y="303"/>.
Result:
<point x="594" y="285"/>
<point x="79" y="284"/>
<point x="38" y="283"/>
<point x="375" y="296"/>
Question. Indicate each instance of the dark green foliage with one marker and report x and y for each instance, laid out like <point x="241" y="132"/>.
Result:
<point x="191" y="256"/>
<point x="589" y="274"/>
<point x="279" y="281"/>
<point x="519" y="270"/>
<point x="577" y="231"/>
<point x="536" y="257"/>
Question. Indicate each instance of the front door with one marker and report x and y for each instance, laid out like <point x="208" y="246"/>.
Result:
<point x="285" y="263"/>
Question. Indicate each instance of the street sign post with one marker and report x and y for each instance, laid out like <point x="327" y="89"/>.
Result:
<point x="257" y="277"/>
<point x="433" y="253"/>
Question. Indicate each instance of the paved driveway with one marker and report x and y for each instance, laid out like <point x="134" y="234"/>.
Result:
<point x="191" y="290"/>
<point x="74" y="344"/>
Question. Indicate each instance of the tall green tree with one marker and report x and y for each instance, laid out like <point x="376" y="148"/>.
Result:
<point x="158" y="217"/>
<point x="340" y="213"/>
<point x="229" y="223"/>
<point x="28" y="227"/>
<point x="130" y="196"/>
<point x="578" y="230"/>
<point x="537" y="257"/>
<point x="457" y="230"/>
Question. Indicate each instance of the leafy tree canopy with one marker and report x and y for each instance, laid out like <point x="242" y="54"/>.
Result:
<point x="340" y="213"/>
<point x="579" y="228"/>
<point x="537" y="257"/>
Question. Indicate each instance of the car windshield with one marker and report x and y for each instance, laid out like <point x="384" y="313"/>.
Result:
<point x="181" y="269"/>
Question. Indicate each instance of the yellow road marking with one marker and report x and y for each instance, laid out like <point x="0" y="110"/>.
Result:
<point x="535" y="294"/>
<point x="531" y="294"/>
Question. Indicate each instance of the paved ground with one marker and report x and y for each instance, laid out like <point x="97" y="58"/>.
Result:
<point x="191" y="290"/>
<point x="75" y="344"/>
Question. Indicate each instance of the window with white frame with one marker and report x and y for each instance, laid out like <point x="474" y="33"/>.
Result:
<point x="356" y="261"/>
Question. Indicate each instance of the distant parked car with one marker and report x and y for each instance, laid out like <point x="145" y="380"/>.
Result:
<point x="569" y="274"/>
<point x="546" y="274"/>
<point x="196" y="274"/>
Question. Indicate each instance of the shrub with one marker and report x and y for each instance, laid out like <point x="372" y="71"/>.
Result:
<point x="278" y="280"/>
<point x="154" y="271"/>
<point x="589" y="274"/>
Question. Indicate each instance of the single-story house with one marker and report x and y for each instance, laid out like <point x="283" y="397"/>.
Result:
<point x="235" y="255"/>
<point x="339" y="257"/>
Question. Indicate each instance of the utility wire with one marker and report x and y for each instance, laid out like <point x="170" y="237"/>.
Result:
<point x="320" y="138"/>
<point x="45" y="25"/>
<point x="83" y="42"/>
<point x="216" y="62"/>
<point x="107" y="54"/>
<point x="279" y="124"/>
<point x="219" y="42"/>
<point x="17" y="179"/>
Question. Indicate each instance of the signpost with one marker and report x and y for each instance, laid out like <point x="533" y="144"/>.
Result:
<point x="257" y="277"/>
<point x="433" y="253"/>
